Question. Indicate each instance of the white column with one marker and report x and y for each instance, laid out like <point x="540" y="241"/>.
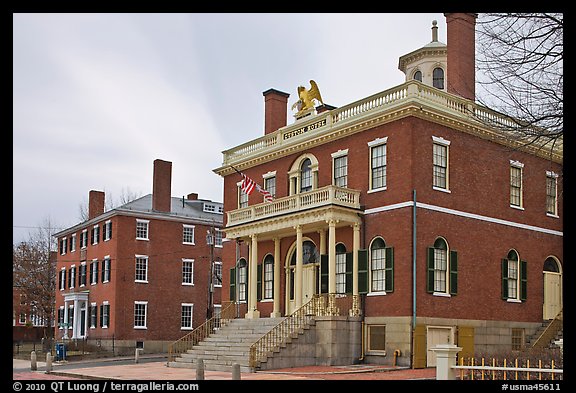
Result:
<point x="299" y="267"/>
<point x="332" y="257"/>
<point x="75" y="324"/>
<point x="252" y="280"/>
<point x="322" y="233"/>
<point x="355" y="309"/>
<point x="65" y="319"/>
<point x="277" y="266"/>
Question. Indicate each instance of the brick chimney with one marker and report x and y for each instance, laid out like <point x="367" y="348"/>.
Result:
<point x="192" y="196"/>
<point x="461" y="43"/>
<point x="161" y="188"/>
<point x="275" y="110"/>
<point x="95" y="204"/>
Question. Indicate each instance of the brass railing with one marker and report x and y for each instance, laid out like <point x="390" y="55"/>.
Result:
<point x="319" y="305"/>
<point x="550" y="332"/>
<point x="185" y="343"/>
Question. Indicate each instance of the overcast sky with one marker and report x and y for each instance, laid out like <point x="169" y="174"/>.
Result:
<point x="98" y="97"/>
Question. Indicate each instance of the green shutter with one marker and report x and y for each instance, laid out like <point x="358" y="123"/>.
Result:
<point x="259" y="282"/>
<point x="504" y="265"/>
<point x="323" y="273"/>
<point x="101" y="315"/>
<point x="233" y="284"/>
<point x="362" y="271"/>
<point x="389" y="270"/>
<point x="453" y="272"/>
<point x="349" y="275"/>
<point x="430" y="270"/>
<point x="523" y="280"/>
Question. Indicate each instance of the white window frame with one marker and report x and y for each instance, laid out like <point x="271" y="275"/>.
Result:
<point x="436" y="140"/>
<point x="107" y="229"/>
<point x="63" y="279"/>
<point x="106" y="267"/>
<point x="93" y="308"/>
<point x="520" y="166"/>
<point x="84" y="239"/>
<point x="106" y="307"/>
<point x="136" y="270"/>
<point x="73" y="242"/>
<point x="80" y="274"/>
<point x="218" y="263"/>
<point x="265" y="178"/>
<point x="550" y="174"/>
<point x="96" y="229"/>
<point x="184" y="262"/>
<point x="191" y="306"/>
<point x="335" y="156"/>
<point x="242" y="197"/>
<point x="186" y="228"/>
<point x="371" y="145"/>
<point x="139" y="223"/>
<point x="145" y="304"/>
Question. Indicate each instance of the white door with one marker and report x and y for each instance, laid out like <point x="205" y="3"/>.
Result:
<point x="308" y="283"/>
<point x="437" y="335"/>
<point x="552" y="294"/>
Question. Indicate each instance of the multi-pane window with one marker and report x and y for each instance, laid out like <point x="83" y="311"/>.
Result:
<point x="84" y="238"/>
<point x="551" y="193"/>
<point x="442" y="269"/>
<point x="72" y="276"/>
<point x="514" y="277"/>
<point x="95" y="234"/>
<point x="516" y="184"/>
<point x="217" y="237"/>
<point x="217" y="278"/>
<point x="187" y="272"/>
<point x="140" y="309"/>
<point x="377" y="166"/>
<point x="378" y="265"/>
<point x="341" y="170"/>
<point x="340" y="268"/>
<point x="306" y="175"/>
<point x="107" y="230"/>
<point x="270" y="185"/>
<point x="94" y="272"/>
<point x="187" y="234"/>
<point x="186" y="319"/>
<point x="268" y="277"/>
<point x="93" y="319"/>
<point x="142" y="229"/>
<point x="517" y="339"/>
<point x="440" y="165"/>
<point x="104" y="314"/>
<point x="62" y="279"/>
<point x="141" y="268"/>
<point x="82" y="274"/>
<point x="242" y="198"/>
<point x="70" y="315"/>
<point x="242" y="280"/>
<point x="376" y="337"/>
<point x="106" y="269"/>
<point x="63" y="243"/>
<point x="73" y="243"/>
<point x="438" y="78"/>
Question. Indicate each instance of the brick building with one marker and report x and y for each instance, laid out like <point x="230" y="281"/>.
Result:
<point x="139" y="274"/>
<point x="406" y="211"/>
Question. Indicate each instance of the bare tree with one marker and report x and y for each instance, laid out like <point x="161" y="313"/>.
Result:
<point x="126" y="196"/>
<point x="34" y="272"/>
<point x="520" y="73"/>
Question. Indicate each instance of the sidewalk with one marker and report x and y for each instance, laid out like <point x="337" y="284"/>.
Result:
<point x="158" y="370"/>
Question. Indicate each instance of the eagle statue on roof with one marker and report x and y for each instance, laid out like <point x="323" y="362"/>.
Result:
<point x="306" y="97"/>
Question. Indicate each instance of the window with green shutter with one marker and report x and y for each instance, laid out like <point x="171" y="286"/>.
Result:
<point x="363" y="271"/>
<point x="441" y="269"/>
<point x="514" y="277"/>
<point x="233" y="284"/>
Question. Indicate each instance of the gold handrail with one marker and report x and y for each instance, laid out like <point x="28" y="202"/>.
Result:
<point x="550" y="331"/>
<point x="278" y="335"/>
<point x="185" y="343"/>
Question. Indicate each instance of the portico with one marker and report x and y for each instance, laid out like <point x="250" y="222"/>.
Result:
<point x="322" y="211"/>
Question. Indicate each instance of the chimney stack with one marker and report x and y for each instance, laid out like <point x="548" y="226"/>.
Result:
<point x="461" y="60"/>
<point x="95" y="204"/>
<point x="192" y="196"/>
<point x="275" y="110"/>
<point x="161" y="188"/>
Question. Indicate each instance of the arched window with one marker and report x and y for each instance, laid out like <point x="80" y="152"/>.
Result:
<point x="551" y="265"/>
<point x="418" y="76"/>
<point x="340" y="268"/>
<point x="306" y="175"/>
<point x="242" y="280"/>
<point x="268" y="277"/>
<point x="514" y="277"/>
<point x="442" y="278"/>
<point x="438" y="78"/>
<point x="381" y="266"/>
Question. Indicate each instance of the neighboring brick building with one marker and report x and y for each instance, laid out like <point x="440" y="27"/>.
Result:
<point x="138" y="274"/>
<point x="407" y="210"/>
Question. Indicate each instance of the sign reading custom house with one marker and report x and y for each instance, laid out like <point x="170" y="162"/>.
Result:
<point x="302" y="130"/>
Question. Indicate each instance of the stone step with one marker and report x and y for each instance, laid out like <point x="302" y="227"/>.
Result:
<point x="209" y="367"/>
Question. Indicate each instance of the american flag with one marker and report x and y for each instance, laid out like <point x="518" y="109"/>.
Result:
<point x="248" y="185"/>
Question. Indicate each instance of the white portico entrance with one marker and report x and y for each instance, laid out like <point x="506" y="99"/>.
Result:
<point x="310" y="274"/>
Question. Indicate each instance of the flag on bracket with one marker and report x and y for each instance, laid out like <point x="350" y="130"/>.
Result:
<point x="248" y="185"/>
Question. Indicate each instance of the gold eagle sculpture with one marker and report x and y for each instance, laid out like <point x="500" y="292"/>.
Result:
<point x="306" y="98"/>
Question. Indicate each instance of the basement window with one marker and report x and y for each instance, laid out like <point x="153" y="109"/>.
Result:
<point x="376" y="338"/>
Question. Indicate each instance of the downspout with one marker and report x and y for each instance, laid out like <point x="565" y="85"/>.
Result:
<point x="413" y="278"/>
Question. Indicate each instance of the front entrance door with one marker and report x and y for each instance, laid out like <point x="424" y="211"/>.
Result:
<point x="552" y="289"/>
<point x="309" y="283"/>
<point x="310" y="266"/>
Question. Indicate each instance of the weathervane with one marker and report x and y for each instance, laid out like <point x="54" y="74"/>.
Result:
<point x="305" y="103"/>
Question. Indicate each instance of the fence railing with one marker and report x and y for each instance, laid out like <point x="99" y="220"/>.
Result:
<point x="508" y="370"/>
<point x="185" y="343"/>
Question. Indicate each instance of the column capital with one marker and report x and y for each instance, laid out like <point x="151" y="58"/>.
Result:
<point x="254" y="236"/>
<point x="356" y="226"/>
<point x="298" y="227"/>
